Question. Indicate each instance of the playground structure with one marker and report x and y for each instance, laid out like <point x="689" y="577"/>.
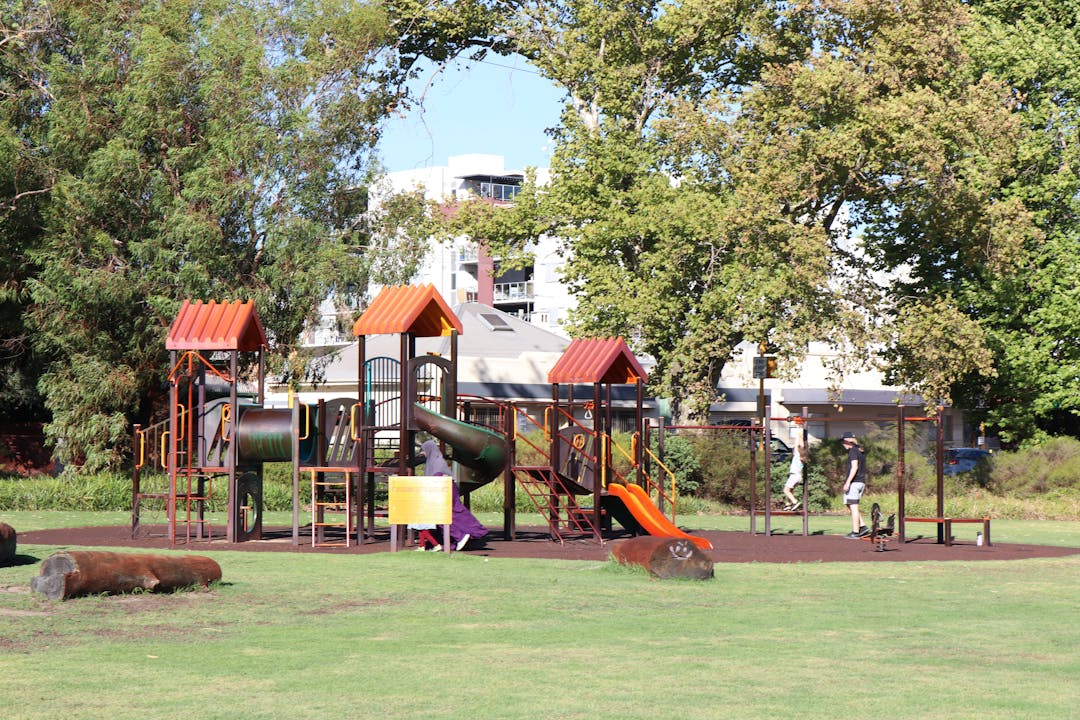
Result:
<point x="344" y="451"/>
<point x="758" y="438"/>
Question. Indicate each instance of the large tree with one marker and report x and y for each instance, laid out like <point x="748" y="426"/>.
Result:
<point x="739" y="171"/>
<point x="1030" y="314"/>
<point x="22" y="177"/>
<point x="193" y="148"/>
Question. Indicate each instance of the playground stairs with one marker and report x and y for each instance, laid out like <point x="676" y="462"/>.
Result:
<point x="550" y="494"/>
<point x="331" y="505"/>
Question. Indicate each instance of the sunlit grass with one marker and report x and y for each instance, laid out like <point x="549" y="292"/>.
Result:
<point x="411" y="635"/>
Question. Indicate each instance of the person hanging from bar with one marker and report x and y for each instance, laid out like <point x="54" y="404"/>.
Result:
<point x="795" y="473"/>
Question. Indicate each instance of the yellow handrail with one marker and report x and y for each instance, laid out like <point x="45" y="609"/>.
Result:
<point x="180" y="421"/>
<point x="604" y="440"/>
<point x="352" y="421"/>
<point x="673" y="498"/>
<point x="142" y="449"/>
<point x="621" y="449"/>
<point x="164" y="452"/>
<point x="226" y="418"/>
<point x="307" y="421"/>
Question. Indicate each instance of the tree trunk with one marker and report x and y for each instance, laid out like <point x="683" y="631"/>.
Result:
<point x="7" y="544"/>
<point x="71" y="574"/>
<point x="665" y="557"/>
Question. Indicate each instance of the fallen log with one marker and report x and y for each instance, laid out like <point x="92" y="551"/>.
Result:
<point x="70" y="574"/>
<point x="7" y="544"/>
<point x="665" y="557"/>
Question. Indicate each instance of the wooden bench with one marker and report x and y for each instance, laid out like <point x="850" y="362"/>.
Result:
<point x="948" y="522"/>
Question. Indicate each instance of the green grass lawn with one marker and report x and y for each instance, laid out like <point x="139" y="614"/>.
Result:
<point x="425" y="635"/>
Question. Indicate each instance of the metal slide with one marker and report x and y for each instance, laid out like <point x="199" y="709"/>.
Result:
<point x="645" y="512"/>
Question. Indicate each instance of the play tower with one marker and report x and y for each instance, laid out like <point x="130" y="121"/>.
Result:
<point x="196" y="446"/>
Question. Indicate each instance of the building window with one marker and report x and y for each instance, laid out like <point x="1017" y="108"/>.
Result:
<point x="499" y="191"/>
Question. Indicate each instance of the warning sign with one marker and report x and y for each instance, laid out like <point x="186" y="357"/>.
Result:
<point x="420" y="500"/>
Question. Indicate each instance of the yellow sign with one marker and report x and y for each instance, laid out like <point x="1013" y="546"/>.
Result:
<point x="421" y="500"/>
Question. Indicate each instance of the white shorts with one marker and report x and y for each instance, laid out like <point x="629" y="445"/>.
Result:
<point x="854" y="493"/>
<point x="793" y="480"/>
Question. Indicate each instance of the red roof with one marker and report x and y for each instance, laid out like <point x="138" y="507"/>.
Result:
<point x="216" y="326"/>
<point x="416" y="309"/>
<point x="597" y="360"/>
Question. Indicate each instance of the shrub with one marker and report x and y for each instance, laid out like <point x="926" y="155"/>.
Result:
<point x="1054" y="465"/>
<point x="681" y="459"/>
<point x="489" y="498"/>
<point x="725" y="467"/>
<point x="104" y="491"/>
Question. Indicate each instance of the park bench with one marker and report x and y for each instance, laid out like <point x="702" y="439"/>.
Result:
<point x="948" y="522"/>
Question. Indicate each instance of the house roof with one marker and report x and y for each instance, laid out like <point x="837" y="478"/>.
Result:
<point x="597" y="360"/>
<point x="416" y="309"/>
<point x="493" y="347"/>
<point x="621" y="395"/>
<point x="216" y="326"/>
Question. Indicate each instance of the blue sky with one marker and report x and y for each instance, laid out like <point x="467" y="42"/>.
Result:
<point x="498" y="107"/>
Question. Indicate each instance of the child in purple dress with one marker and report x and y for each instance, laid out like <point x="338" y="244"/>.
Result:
<point x="463" y="524"/>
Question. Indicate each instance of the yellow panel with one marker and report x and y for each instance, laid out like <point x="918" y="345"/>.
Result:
<point x="421" y="500"/>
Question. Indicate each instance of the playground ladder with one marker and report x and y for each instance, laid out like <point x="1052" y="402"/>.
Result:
<point x="331" y="491"/>
<point x="556" y="503"/>
<point x="191" y="504"/>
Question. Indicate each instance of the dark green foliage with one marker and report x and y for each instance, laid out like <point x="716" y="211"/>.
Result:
<point x="725" y="466"/>
<point x="156" y="152"/>
<point x="679" y="457"/>
<point x="105" y="491"/>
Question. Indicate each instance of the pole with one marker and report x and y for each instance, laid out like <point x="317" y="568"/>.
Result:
<point x="767" y="444"/>
<point x="900" y="412"/>
<point x="940" y="474"/>
<point x="805" y="472"/>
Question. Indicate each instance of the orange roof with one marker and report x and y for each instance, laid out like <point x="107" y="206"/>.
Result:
<point x="216" y="326"/>
<point x="597" y="360"/>
<point x="416" y="309"/>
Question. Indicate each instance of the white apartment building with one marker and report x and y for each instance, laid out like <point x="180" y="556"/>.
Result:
<point x="462" y="272"/>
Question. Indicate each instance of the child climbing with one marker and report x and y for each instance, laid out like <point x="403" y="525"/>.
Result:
<point x="795" y="473"/>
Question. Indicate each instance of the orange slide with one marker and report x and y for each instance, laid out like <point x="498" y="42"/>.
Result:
<point x="645" y="512"/>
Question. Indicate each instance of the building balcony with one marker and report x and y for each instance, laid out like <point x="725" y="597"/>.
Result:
<point x="499" y="192"/>
<point x="468" y="255"/>
<point x="514" y="292"/>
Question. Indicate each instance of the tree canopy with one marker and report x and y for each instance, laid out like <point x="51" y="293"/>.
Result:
<point x="896" y="178"/>
<point x="191" y="149"/>
<point x="899" y="178"/>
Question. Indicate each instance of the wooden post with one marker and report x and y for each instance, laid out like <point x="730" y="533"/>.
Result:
<point x="66" y="575"/>
<point x="901" y="444"/>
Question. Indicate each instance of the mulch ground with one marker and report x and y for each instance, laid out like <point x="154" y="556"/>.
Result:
<point x="534" y="542"/>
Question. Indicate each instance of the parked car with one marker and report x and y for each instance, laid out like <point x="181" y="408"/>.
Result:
<point x="965" y="459"/>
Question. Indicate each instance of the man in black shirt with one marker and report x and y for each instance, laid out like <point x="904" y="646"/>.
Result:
<point x="855" y="484"/>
